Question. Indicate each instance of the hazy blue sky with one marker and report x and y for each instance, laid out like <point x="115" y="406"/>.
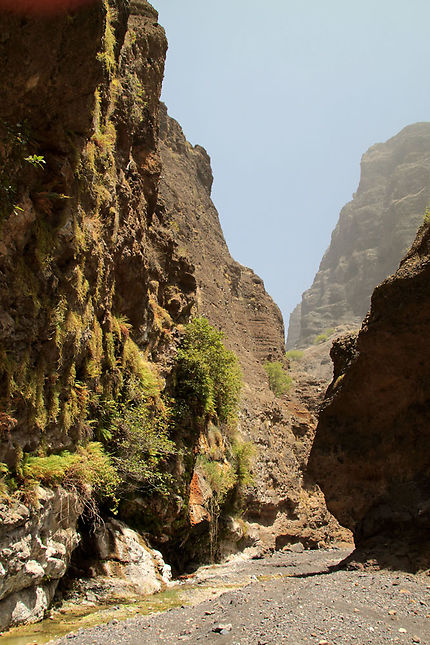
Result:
<point x="286" y="95"/>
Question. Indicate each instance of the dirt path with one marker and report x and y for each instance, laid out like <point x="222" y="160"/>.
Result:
<point x="286" y="598"/>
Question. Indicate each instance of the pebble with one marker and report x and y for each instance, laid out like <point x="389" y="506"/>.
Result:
<point x="291" y="610"/>
<point x="222" y="628"/>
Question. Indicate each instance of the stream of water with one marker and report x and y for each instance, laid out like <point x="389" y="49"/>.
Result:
<point x="72" y="616"/>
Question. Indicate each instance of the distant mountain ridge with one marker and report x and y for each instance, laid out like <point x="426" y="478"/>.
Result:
<point x="373" y="233"/>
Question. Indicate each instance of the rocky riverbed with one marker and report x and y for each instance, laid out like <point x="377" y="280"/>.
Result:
<point x="288" y="597"/>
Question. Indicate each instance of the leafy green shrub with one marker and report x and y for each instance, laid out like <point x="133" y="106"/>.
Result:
<point x="134" y="419"/>
<point x="427" y="216"/>
<point x="89" y="471"/>
<point x="208" y="377"/>
<point x="279" y="381"/>
<point x="4" y="476"/>
<point x="220" y="476"/>
<point x="38" y="161"/>
<point x="243" y="453"/>
<point x="294" y="354"/>
<point x="321" y="338"/>
<point x="141" y="446"/>
<point x="226" y="480"/>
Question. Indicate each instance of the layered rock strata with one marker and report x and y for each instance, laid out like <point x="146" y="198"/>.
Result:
<point x="373" y="233"/>
<point x="370" y="453"/>
<point x="280" y="507"/>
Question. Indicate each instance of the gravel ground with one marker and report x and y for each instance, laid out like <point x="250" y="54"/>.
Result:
<point x="289" y="598"/>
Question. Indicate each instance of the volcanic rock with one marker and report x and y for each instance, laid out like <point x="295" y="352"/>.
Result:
<point x="370" y="453"/>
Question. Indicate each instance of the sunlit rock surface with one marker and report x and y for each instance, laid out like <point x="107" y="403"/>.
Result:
<point x="373" y="233"/>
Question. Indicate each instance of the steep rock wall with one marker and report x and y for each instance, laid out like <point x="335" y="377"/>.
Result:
<point x="229" y="294"/>
<point x="294" y="327"/>
<point x="86" y="268"/>
<point x="280" y="506"/>
<point x="79" y="247"/>
<point x="374" y="231"/>
<point x="370" y="453"/>
<point x="101" y="263"/>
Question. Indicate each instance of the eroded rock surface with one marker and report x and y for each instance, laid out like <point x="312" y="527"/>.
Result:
<point x="373" y="233"/>
<point x="35" y="549"/>
<point x="115" y="562"/>
<point x="371" y="449"/>
<point x="101" y="264"/>
<point x="80" y="250"/>
<point x="280" y="506"/>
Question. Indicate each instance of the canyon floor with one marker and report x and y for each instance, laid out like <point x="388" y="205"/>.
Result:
<point x="283" y="598"/>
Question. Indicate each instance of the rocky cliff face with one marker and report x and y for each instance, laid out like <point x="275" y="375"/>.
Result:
<point x="79" y="247"/>
<point x="86" y="269"/>
<point x="102" y="262"/>
<point x="373" y="232"/>
<point x="280" y="506"/>
<point x="371" y="448"/>
<point x="231" y="296"/>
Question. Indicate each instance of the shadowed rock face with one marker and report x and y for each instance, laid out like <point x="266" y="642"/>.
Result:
<point x="373" y="233"/>
<point x="371" y="452"/>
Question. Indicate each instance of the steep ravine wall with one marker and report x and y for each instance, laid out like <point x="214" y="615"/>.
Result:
<point x="77" y="232"/>
<point x="370" y="453"/>
<point x="80" y="255"/>
<point x="373" y="233"/>
<point x="280" y="507"/>
<point x="101" y="265"/>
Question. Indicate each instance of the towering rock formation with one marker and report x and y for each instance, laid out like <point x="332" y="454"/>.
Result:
<point x="281" y="507"/>
<point x="101" y="265"/>
<point x="371" y="451"/>
<point x="373" y="232"/>
<point x="84" y="268"/>
<point x="231" y="296"/>
<point x="80" y="172"/>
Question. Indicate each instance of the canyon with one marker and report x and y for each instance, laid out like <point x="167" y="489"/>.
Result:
<point x="139" y="431"/>
<point x="110" y="248"/>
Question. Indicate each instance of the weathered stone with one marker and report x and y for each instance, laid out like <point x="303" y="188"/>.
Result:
<point x="35" y="547"/>
<point x="123" y="562"/>
<point x="200" y="494"/>
<point x="371" y="448"/>
<point x="296" y="547"/>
